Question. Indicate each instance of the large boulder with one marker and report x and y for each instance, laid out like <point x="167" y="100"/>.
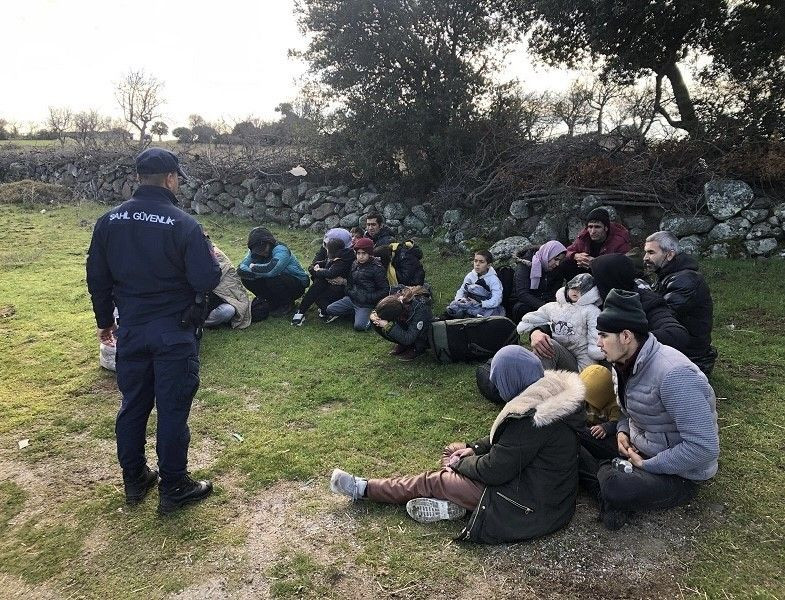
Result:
<point x="272" y="200"/>
<point x="681" y="225"/>
<point x="550" y="227"/>
<point x="225" y="199"/>
<point x="368" y="198"/>
<point x="289" y="196"/>
<point x="413" y="224"/>
<point x="779" y="212"/>
<point x="764" y="247"/>
<point x="352" y="206"/>
<point x="323" y="210"/>
<point x="520" y="209"/>
<point x="201" y="209"/>
<point x="279" y="215"/>
<point x="452" y="217"/>
<point x="341" y="190"/>
<point x="395" y="211"/>
<point x="259" y="213"/>
<point x="726" y="198"/>
<point x="719" y="251"/>
<point x="763" y="230"/>
<point x="332" y="221"/>
<point x="306" y="220"/>
<point x="755" y="215"/>
<point x="732" y="229"/>
<point x="690" y="245"/>
<point x="350" y="220"/>
<point x="424" y="212"/>
<point x="506" y="248"/>
<point x="316" y="199"/>
<point x="588" y="204"/>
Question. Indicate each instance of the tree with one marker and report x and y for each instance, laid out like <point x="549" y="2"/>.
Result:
<point x="629" y="39"/>
<point x="572" y="107"/>
<point x="139" y="96"/>
<point x="745" y="83"/>
<point x="60" y="122"/>
<point x="204" y="134"/>
<point x="160" y="129"/>
<point x="183" y="134"/>
<point x="602" y="92"/>
<point x="409" y="76"/>
<point x="86" y="125"/>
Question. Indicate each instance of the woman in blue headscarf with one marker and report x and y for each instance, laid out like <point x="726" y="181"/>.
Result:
<point x="520" y="481"/>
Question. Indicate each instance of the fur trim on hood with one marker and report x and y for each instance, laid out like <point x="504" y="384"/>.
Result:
<point x="557" y="395"/>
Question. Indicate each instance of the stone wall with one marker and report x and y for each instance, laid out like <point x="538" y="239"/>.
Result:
<point x="737" y="221"/>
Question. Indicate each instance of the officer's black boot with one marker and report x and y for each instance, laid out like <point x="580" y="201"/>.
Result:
<point x="137" y="486"/>
<point x="186" y="491"/>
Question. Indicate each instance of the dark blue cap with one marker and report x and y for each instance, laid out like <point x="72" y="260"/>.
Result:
<point x="157" y="160"/>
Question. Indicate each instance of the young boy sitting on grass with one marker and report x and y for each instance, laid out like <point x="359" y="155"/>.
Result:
<point x="365" y="286"/>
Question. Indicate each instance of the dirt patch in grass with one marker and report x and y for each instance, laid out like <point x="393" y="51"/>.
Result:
<point x="17" y="588"/>
<point x="29" y="193"/>
<point x="303" y="542"/>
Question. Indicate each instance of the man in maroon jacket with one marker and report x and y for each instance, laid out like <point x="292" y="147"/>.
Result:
<point x="598" y="238"/>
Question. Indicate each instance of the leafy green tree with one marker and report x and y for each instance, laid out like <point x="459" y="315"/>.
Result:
<point x="409" y="76"/>
<point x="629" y="39"/>
<point x="745" y="83"/>
<point x="183" y="134"/>
<point x="160" y="129"/>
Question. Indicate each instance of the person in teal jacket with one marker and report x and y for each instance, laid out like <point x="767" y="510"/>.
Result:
<point x="271" y="272"/>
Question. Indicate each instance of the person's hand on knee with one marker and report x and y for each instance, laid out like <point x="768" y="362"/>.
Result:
<point x="541" y="344"/>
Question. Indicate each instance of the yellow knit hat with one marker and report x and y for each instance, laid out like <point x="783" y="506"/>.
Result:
<point x="599" y="386"/>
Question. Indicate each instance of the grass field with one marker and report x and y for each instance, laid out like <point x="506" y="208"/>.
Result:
<point x="304" y="400"/>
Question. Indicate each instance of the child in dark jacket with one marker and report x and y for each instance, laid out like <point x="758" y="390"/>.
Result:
<point x="404" y="318"/>
<point x="365" y="286"/>
<point x="331" y="264"/>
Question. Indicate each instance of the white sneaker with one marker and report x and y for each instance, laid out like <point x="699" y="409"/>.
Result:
<point x="430" y="510"/>
<point x="347" y="484"/>
<point x="298" y="319"/>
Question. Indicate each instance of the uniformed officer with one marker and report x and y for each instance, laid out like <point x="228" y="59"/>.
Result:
<point x="151" y="260"/>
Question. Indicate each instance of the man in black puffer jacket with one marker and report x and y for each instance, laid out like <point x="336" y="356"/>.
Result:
<point x="618" y="271"/>
<point x="685" y="290"/>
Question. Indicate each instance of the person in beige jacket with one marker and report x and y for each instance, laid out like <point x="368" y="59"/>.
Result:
<point x="229" y="302"/>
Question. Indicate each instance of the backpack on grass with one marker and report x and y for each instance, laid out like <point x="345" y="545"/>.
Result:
<point x="479" y="338"/>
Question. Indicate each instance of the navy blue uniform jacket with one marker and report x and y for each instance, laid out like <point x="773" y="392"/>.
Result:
<point x="148" y="258"/>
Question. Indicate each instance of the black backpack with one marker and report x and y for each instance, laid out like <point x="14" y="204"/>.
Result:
<point x="478" y="338"/>
<point x="407" y="264"/>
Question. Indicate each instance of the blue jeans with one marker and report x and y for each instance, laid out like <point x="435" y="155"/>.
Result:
<point x="223" y="313"/>
<point x="345" y="306"/>
<point x="157" y="365"/>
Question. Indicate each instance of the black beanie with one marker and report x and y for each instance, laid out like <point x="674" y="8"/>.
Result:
<point x="259" y="236"/>
<point x="622" y="311"/>
<point x="601" y="215"/>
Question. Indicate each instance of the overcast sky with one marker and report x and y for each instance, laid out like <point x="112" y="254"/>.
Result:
<point x="225" y="59"/>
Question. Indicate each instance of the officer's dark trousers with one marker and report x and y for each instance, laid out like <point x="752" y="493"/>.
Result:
<point x="636" y="491"/>
<point x="157" y="364"/>
<point x="282" y="290"/>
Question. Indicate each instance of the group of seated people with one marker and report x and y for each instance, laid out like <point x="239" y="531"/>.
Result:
<point x="612" y="394"/>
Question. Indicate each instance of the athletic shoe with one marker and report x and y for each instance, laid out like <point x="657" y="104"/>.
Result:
<point x="397" y="349"/>
<point x="613" y="519"/>
<point x="430" y="510"/>
<point x="331" y="318"/>
<point x="347" y="484"/>
<point x="298" y="318"/>
<point x="320" y="314"/>
<point x="136" y="488"/>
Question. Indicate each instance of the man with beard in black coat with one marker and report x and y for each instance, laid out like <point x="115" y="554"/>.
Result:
<point x="685" y="290"/>
<point x="618" y="271"/>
